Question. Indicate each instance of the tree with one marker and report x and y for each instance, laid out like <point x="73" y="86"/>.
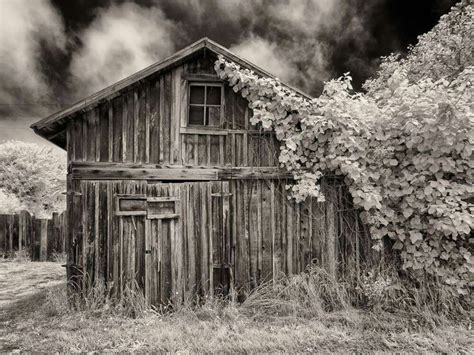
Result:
<point x="33" y="176"/>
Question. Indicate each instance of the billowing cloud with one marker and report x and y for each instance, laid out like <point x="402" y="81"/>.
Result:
<point x="266" y="55"/>
<point x="26" y="28"/>
<point x="306" y="16"/>
<point x="122" y="40"/>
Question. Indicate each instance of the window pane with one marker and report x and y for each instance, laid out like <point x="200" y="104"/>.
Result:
<point x="196" y="94"/>
<point x="213" y="116"/>
<point x="213" y="95"/>
<point x="196" y="115"/>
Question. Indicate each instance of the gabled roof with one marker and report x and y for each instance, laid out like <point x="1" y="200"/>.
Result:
<point x="52" y="127"/>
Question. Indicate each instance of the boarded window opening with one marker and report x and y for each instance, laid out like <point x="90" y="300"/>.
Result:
<point x="130" y="205"/>
<point x="162" y="207"/>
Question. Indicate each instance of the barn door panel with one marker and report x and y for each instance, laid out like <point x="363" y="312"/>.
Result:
<point x="130" y="210"/>
<point x="163" y="245"/>
<point x="221" y="241"/>
<point x="74" y="231"/>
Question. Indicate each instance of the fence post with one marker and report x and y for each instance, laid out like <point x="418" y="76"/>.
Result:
<point x="3" y="236"/>
<point x="44" y="240"/>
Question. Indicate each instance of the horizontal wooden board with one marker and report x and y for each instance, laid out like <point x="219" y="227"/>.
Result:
<point x="109" y="171"/>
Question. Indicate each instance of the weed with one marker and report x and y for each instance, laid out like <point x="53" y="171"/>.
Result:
<point x="58" y="257"/>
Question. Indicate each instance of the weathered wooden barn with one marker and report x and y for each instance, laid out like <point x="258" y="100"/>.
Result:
<point x="170" y="185"/>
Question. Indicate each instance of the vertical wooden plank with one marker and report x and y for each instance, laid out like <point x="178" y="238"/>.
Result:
<point x="208" y="150"/>
<point x="89" y="136"/>
<point x="148" y="262"/>
<point x="115" y="129"/>
<point x="216" y="155"/>
<point x="183" y="107"/>
<point x="110" y="233"/>
<point x="175" y="115"/>
<point x="147" y="99"/>
<point x="197" y="152"/>
<point x="166" y="118"/>
<point x="89" y="230"/>
<point x="267" y="231"/>
<point x="128" y="127"/>
<point x="103" y="243"/>
<point x="318" y="235"/>
<point x="246" y="252"/>
<point x="11" y="222"/>
<point x="259" y="230"/>
<point x="153" y="98"/>
<point x="221" y="150"/>
<point x="98" y="235"/>
<point x="100" y="116"/>
<point x="227" y="237"/>
<point x="203" y="151"/>
<point x="204" y="239"/>
<point x="176" y="257"/>
<point x="161" y="116"/>
<point x="3" y="239"/>
<point x="289" y="236"/>
<point x="245" y="157"/>
<point x="136" y="126"/>
<point x="211" y="227"/>
<point x="331" y="231"/>
<point x="191" y="201"/>
<point x="44" y="240"/>
<point x="253" y="231"/>
<point x="283" y="226"/>
<point x="21" y="231"/>
<point x="142" y="124"/>
<point x="274" y="251"/>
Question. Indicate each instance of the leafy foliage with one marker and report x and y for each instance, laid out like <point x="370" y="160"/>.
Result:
<point x="32" y="176"/>
<point x="404" y="146"/>
<point x="9" y="203"/>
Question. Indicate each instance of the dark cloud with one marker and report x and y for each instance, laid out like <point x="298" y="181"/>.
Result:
<point x="59" y="50"/>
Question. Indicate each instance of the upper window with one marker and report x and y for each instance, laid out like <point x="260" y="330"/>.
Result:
<point x="205" y="104"/>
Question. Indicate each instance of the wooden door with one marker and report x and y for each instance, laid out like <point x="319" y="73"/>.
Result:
<point x="188" y="245"/>
<point x="163" y="243"/>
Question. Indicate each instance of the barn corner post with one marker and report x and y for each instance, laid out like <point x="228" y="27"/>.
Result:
<point x="171" y="188"/>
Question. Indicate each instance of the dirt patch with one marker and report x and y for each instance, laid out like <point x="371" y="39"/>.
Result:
<point x="18" y="280"/>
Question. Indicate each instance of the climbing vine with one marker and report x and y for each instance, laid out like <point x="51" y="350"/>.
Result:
<point x="404" y="148"/>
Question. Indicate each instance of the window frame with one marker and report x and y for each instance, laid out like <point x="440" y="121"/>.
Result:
<point x="205" y="105"/>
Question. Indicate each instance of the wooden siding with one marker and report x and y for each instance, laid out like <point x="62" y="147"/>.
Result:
<point x="225" y="235"/>
<point x="148" y="124"/>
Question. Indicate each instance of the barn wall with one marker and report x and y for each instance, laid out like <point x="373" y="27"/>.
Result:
<point x="232" y="234"/>
<point x="145" y="125"/>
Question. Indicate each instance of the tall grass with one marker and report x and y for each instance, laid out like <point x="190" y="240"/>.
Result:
<point x="311" y="294"/>
<point x="307" y="294"/>
<point x="95" y="298"/>
<point x="424" y="297"/>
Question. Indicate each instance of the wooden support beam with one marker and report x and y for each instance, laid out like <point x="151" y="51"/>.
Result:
<point x="144" y="174"/>
<point x="119" y="171"/>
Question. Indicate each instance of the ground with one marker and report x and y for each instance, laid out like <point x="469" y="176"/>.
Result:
<point x="32" y="320"/>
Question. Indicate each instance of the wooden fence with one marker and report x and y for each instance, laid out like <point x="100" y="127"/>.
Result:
<point x="40" y="238"/>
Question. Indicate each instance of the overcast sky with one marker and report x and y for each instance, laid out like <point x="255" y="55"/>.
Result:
<point x="54" y="52"/>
